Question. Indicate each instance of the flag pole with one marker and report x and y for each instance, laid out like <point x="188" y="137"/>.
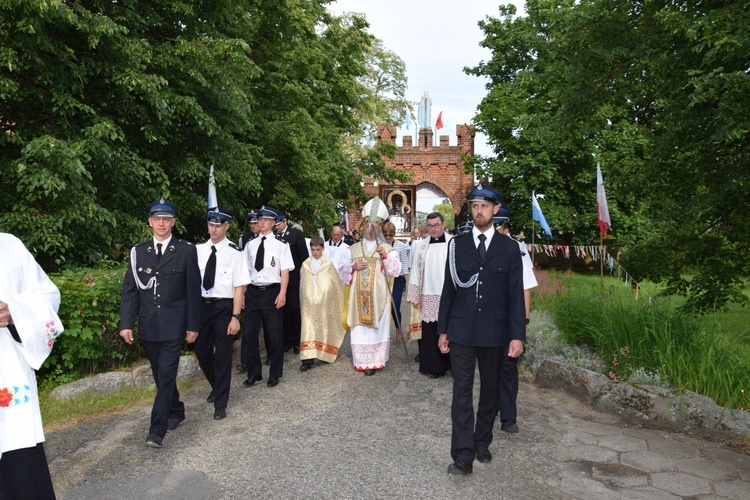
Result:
<point x="533" y="234"/>
<point x="601" y="260"/>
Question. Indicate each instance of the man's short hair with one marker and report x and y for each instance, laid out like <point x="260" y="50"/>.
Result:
<point x="435" y="215"/>
<point x="317" y="241"/>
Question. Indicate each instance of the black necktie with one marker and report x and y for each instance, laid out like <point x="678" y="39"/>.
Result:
<point x="210" y="274"/>
<point x="482" y="249"/>
<point x="158" y="252"/>
<point x="260" y="255"/>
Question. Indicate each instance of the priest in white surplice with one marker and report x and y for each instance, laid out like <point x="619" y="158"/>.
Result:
<point x="335" y="248"/>
<point x="424" y="290"/>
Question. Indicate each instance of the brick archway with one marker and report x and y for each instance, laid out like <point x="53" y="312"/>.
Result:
<point x="440" y="165"/>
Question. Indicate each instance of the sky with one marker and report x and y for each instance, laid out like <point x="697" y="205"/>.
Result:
<point x="436" y="39"/>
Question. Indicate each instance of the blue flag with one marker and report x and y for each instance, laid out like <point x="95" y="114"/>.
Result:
<point x="537" y="215"/>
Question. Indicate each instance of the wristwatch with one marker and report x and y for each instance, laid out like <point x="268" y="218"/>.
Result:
<point x="238" y="316"/>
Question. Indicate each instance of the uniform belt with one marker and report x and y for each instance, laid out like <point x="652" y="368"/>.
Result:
<point x="265" y="287"/>
<point x="211" y="300"/>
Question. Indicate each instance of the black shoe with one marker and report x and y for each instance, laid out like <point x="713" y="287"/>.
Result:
<point x="484" y="455"/>
<point x="211" y="398"/>
<point x="252" y="379"/>
<point x="305" y="367"/>
<point x="296" y="349"/>
<point x="273" y="381"/>
<point x="287" y="348"/>
<point x="369" y="373"/>
<point x="416" y="358"/>
<point x="220" y="413"/>
<point x="153" y="441"/>
<point x="509" y="426"/>
<point x="460" y="467"/>
<point x="242" y="367"/>
<point x="173" y="423"/>
<point x="437" y="375"/>
<point x="268" y="361"/>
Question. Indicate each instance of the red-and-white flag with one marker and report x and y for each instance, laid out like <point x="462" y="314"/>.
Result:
<point x="439" y="122"/>
<point x="602" y="211"/>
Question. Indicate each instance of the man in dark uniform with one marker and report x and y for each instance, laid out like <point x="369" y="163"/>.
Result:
<point x="481" y="312"/>
<point x="162" y="287"/>
<point x="250" y="234"/>
<point x="253" y="229"/>
<point x="292" y="316"/>
<point x="224" y="275"/>
<point x="509" y="372"/>
<point x="269" y="260"/>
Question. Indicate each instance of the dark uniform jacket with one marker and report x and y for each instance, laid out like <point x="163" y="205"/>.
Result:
<point x="490" y="313"/>
<point x="173" y="305"/>
<point x="298" y="247"/>
<point x="246" y="237"/>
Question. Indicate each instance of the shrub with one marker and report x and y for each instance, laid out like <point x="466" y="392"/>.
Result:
<point x="654" y="337"/>
<point x="89" y="310"/>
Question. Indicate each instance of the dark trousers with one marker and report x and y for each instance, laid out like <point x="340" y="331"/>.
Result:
<point x="245" y="345"/>
<point x="214" y="347"/>
<point x="398" y="291"/>
<point x="24" y="475"/>
<point x="259" y="306"/>
<point x="292" y="317"/>
<point x="165" y="359"/>
<point x="508" y="388"/>
<point x="466" y="436"/>
<point x="431" y="360"/>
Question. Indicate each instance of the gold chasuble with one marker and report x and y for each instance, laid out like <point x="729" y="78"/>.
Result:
<point x="369" y="290"/>
<point x="321" y="300"/>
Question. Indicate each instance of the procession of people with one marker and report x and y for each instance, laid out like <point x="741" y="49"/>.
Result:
<point x="467" y="295"/>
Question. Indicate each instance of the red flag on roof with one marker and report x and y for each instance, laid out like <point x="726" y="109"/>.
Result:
<point x="439" y="123"/>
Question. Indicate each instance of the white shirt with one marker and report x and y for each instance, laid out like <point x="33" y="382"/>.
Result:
<point x="164" y="245"/>
<point x="488" y="233"/>
<point x="337" y="253"/>
<point x="529" y="279"/>
<point x="231" y="268"/>
<point x="277" y="257"/>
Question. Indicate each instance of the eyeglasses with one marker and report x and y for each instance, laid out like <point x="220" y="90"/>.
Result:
<point x="433" y="226"/>
<point x="389" y="235"/>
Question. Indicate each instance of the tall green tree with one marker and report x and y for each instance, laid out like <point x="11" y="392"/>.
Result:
<point x="106" y="106"/>
<point x="654" y="90"/>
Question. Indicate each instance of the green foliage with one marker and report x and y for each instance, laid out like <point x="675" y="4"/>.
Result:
<point x="657" y="337"/>
<point x="656" y="92"/>
<point x="106" y="106"/>
<point x="89" y="310"/>
<point x="446" y="210"/>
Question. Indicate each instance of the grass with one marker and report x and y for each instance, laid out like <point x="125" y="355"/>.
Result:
<point x="61" y="413"/>
<point x="709" y="355"/>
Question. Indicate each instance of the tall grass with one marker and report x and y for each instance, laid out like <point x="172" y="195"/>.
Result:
<point x="655" y="336"/>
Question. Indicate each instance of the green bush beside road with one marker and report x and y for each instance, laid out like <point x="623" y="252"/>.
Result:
<point x="696" y="353"/>
<point x="90" y="312"/>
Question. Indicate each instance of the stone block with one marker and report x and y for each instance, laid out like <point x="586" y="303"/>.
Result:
<point x="578" y="382"/>
<point x="101" y="384"/>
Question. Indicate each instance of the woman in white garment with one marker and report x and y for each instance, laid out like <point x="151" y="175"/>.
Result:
<point x="28" y="327"/>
